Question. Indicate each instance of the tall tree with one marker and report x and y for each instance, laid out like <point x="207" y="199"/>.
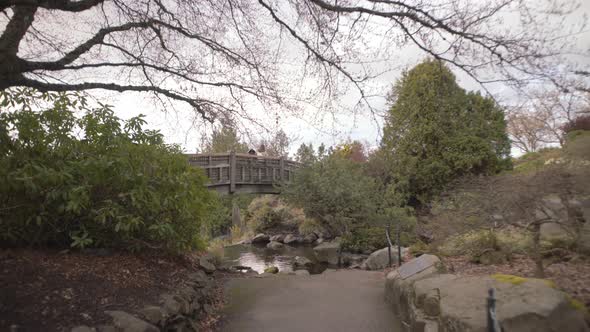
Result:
<point x="224" y="139"/>
<point x="305" y="154"/>
<point x="435" y="132"/>
<point x="220" y="56"/>
<point x="352" y="150"/>
<point x="277" y="146"/>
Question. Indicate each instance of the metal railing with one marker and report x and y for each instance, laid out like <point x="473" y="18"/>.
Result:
<point x="493" y="324"/>
<point x="399" y="249"/>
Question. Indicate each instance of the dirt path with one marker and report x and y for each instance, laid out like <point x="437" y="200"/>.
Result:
<point x="343" y="300"/>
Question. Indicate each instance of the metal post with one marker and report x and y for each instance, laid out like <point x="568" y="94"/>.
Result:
<point x="399" y="245"/>
<point x="388" y="244"/>
<point x="493" y="324"/>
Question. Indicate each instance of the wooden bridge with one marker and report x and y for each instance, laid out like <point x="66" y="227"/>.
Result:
<point x="230" y="173"/>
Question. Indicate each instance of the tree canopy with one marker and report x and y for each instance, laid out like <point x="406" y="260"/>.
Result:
<point x="224" y="58"/>
<point x="436" y="131"/>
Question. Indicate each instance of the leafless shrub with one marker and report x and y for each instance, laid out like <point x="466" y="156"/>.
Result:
<point x="518" y="201"/>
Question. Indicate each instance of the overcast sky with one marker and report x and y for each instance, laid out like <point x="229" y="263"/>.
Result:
<point x="178" y="124"/>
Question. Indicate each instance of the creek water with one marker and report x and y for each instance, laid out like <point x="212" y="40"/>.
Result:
<point x="258" y="257"/>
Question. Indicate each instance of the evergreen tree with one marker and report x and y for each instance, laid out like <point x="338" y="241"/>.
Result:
<point x="278" y="146"/>
<point x="436" y="131"/>
<point x="305" y="154"/>
<point x="224" y="139"/>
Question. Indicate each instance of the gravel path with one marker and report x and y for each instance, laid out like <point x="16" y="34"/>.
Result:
<point x="342" y="300"/>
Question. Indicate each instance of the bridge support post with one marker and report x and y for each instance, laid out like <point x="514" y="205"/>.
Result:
<point x="235" y="215"/>
<point x="232" y="172"/>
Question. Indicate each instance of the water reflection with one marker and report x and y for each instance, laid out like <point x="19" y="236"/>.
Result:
<point x="259" y="258"/>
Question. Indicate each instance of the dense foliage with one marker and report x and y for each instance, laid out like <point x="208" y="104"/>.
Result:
<point x="92" y="180"/>
<point x="335" y="192"/>
<point x="269" y="213"/>
<point x="436" y="132"/>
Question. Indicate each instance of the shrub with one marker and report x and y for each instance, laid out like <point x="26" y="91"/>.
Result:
<point x="578" y="123"/>
<point x="114" y="184"/>
<point x="365" y="239"/>
<point x="268" y="212"/>
<point x="578" y="145"/>
<point x="309" y="226"/>
<point x="335" y="192"/>
<point x="419" y="248"/>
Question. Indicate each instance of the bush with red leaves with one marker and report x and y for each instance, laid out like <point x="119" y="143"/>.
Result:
<point x="579" y="123"/>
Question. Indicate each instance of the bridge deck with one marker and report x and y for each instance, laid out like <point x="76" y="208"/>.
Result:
<point x="240" y="172"/>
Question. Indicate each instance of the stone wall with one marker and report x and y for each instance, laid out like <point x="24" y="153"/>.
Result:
<point x="426" y="299"/>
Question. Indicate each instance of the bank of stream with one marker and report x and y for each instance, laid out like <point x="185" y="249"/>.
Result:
<point x="259" y="257"/>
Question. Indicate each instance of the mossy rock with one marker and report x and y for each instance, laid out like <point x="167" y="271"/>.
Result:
<point x="578" y="305"/>
<point x="271" y="269"/>
<point x="419" y="248"/>
<point x="508" y="278"/>
<point x="516" y="280"/>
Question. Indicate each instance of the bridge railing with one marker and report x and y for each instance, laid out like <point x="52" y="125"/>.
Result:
<point x="239" y="168"/>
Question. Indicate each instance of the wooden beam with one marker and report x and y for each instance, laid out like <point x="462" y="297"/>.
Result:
<point x="232" y="172"/>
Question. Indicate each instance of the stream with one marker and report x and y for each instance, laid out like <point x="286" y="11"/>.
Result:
<point x="258" y="257"/>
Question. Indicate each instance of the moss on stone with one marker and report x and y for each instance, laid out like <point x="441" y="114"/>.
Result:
<point x="515" y="280"/>
<point x="271" y="269"/>
<point x="578" y="305"/>
<point x="550" y="283"/>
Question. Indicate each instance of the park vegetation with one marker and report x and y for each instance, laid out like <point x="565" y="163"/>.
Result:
<point x="72" y="174"/>
<point x="76" y="175"/>
<point x="435" y="133"/>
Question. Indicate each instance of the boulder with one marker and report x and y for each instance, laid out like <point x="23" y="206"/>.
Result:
<point x="260" y="239"/>
<point x="206" y="262"/>
<point x="554" y="232"/>
<point x="106" y="328"/>
<point x="174" y="304"/>
<point x="153" y="314"/>
<point x="352" y="260"/>
<point x="328" y="252"/>
<point x="302" y="262"/>
<point x="275" y="245"/>
<point x="325" y="234"/>
<point x="81" y="328"/>
<point x="584" y="237"/>
<point x="129" y="323"/>
<point x="309" y="238"/>
<point x="265" y="275"/>
<point x="199" y="277"/>
<point x="379" y="259"/>
<point x="271" y="269"/>
<point x="421" y="296"/>
<point x="291" y="239"/>
<point x="278" y="238"/>
<point x="302" y="273"/>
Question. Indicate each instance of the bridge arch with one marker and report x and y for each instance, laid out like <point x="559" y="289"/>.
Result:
<point x="230" y="173"/>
